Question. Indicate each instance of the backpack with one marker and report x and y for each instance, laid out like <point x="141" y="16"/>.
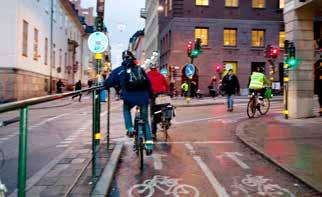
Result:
<point x="134" y="79"/>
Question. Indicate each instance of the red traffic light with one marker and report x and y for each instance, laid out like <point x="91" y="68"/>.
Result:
<point x="189" y="45"/>
<point x="218" y="68"/>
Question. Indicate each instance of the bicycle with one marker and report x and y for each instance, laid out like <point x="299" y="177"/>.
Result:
<point x="169" y="187"/>
<point x="3" y="188"/>
<point x="167" y="112"/>
<point x="139" y="136"/>
<point x="254" y="105"/>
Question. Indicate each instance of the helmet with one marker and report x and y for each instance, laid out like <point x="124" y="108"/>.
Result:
<point x="127" y="55"/>
<point x="151" y="65"/>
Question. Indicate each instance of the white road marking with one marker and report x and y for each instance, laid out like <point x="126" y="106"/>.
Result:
<point x="66" y="142"/>
<point x="62" y="145"/>
<point x="162" y="184"/>
<point x="4" y="138"/>
<point x="190" y="148"/>
<point x="157" y="158"/>
<point x="220" y="190"/>
<point x="234" y="156"/>
<point x="48" y="120"/>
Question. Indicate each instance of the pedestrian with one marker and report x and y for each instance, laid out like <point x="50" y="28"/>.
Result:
<point x="136" y="91"/>
<point x="90" y="83"/>
<point x="78" y="86"/>
<point x="231" y="85"/>
<point x="59" y="86"/>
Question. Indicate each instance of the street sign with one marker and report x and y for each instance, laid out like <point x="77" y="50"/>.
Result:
<point x="97" y="42"/>
<point x="190" y="70"/>
<point x="164" y="71"/>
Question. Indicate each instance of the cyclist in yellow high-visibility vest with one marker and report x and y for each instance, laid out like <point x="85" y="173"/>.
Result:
<point x="258" y="82"/>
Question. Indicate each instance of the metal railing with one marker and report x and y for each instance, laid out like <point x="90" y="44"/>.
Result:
<point x="24" y="105"/>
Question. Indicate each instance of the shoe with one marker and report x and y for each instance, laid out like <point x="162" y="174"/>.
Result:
<point x="130" y="134"/>
<point x="149" y="147"/>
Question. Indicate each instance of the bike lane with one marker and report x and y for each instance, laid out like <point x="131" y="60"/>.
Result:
<point x="205" y="155"/>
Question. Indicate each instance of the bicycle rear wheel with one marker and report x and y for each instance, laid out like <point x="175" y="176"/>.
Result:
<point x="251" y="107"/>
<point x="264" y="108"/>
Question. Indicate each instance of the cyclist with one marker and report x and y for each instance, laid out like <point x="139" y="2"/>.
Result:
<point x="136" y="91"/>
<point x="159" y="86"/>
<point x="257" y="83"/>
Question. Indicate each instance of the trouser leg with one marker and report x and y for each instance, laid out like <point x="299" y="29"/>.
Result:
<point x="127" y="116"/>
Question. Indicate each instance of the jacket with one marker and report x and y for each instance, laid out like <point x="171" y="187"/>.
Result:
<point x="257" y="81"/>
<point x="231" y="84"/>
<point x="117" y="78"/>
<point x="158" y="82"/>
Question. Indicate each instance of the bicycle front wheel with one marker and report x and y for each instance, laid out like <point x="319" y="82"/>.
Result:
<point x="251" y="107"/>
<point x="264" y="108"/>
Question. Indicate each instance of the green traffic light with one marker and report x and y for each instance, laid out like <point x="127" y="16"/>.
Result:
<point x="195" y="53"/>
<point x="292" y="62"/>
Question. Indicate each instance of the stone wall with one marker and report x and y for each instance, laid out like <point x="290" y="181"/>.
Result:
<point x="19" y="85"/>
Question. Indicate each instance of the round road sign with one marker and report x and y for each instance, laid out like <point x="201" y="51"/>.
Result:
<point x="97" y="42"/>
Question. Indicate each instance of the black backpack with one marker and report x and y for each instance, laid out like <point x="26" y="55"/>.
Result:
<point x="134" y="79"/>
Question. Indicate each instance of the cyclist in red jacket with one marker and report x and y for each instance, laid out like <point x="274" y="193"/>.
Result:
<point x="159" y="85"/>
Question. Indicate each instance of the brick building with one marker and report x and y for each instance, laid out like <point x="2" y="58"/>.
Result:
<point x="232" y="32"/>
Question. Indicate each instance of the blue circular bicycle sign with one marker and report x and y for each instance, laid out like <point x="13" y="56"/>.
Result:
<point x="190" y="70"/>
<point x="97" y="42"/>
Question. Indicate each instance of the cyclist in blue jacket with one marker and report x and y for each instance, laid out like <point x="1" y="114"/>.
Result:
<point x="136" y="91"/>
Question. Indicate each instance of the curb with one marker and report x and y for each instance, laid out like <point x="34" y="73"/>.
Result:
<point x="219" y="103"/>
<point x="240" y="131"/>
<point x="105" y="181"/>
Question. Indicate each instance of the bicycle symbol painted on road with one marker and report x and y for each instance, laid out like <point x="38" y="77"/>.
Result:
<point x="258" y="185"/>
<point x="169" y="187"/>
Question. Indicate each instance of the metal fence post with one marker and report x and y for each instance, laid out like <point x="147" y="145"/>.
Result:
<point x="93" y="134"/>
<point x="22" y="165"/>
<point x="108" y="118"/>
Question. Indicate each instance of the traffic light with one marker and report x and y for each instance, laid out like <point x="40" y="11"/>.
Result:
<point x="272" y="52"/>
<point x="189" y="48"/>
<point x="197" y="49"/>
<point x="291" y="59"/>
<point x="99" y="23"/>
<point x="218" y="68"/>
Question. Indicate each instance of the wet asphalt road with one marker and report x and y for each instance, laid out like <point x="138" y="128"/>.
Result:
<point x="203" y="157"/>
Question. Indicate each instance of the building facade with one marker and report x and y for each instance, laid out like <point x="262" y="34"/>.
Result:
<point x="136" y="46"/>
<point x="303" y="25"/>
<point x="233" y="32"/>
<point x="151" y="31"/>
<point x="26" y="61"/>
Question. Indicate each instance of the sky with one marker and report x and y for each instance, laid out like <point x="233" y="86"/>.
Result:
<point x="122" y="18"/>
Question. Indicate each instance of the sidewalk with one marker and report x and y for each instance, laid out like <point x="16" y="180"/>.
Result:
<point x="181" y="102"/>
<point x="293" y="145"/>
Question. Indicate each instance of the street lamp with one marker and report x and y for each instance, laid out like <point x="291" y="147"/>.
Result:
<point x="160" y="8"/>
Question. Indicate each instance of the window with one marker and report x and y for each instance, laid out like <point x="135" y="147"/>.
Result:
<point x="60" y="58"/>
<point x="202" y="2"/>
<point x="231" y="3"/>
<point x="230" y="37"/>
<point x="25" y="38"/>
<point x="54" y="59"/>
<point x="258" y="38"/>
<point x="258" y="3"/>
<point x="202" y="33"/>
<point x="230" y="65"/>
<point x="282" y="4"/>
<point x="65" y="60"/>
<point x="281" y="39"/>
<point x="36" y="32"/>
<point x="46" y="51"/>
